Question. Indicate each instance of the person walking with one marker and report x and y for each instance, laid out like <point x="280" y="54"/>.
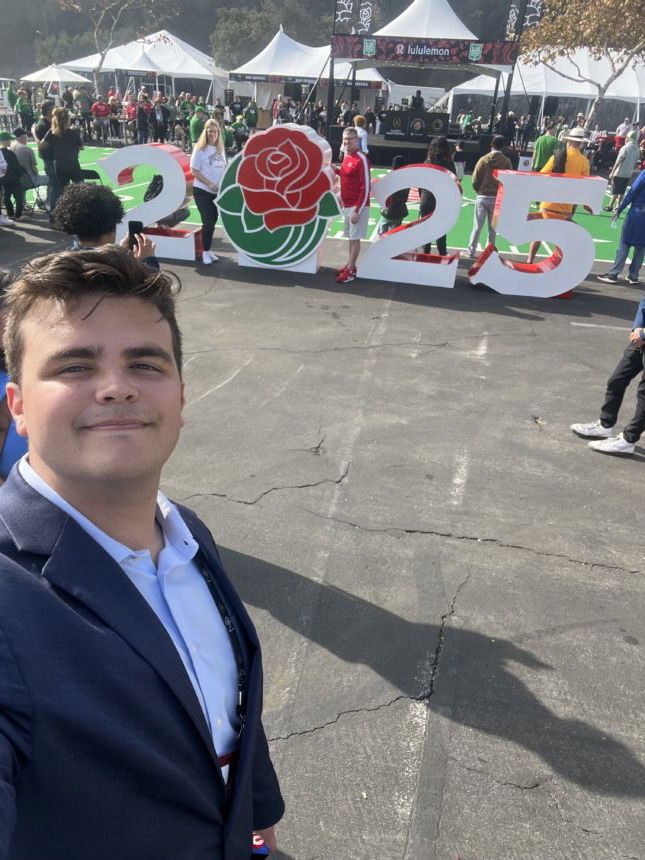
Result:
<point x="65" y="143"/>
<point x="84" y="107"/>
<point x="628" y="368"/>
<point x="11" y="185"/>
<point x="25" y="110"/>
<point x="632" y="236"/>
<point x="624" y="166"/>
<point x="160" y="120"/>
<point x="207" y="164"/>
<point x="143" y="121"/>
<point x="486" y="187"/>
<point x="568" y="161"/>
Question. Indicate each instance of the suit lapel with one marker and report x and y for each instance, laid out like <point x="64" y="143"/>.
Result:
<point x="80" y="567"/>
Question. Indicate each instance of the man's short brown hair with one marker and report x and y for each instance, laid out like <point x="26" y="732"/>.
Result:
<point x="67" y="277"/>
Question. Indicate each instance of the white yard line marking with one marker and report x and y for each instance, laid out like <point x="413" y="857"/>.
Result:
<point x="221" y="384"/>
<point x="460" y="478"/>
<point x="600" y="325"/>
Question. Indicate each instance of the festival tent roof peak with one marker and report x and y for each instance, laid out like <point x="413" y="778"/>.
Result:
<point x="161" y="52"/>
<point x="428" y="19"/>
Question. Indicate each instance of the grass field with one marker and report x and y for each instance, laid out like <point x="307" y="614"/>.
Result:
<point x="604" y="237"/>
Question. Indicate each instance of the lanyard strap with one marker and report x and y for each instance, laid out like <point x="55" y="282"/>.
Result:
<point x="233" y="635"/>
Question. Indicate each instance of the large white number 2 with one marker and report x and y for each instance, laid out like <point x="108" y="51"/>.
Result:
<point x="573" y="254"/>
<point x="386" y="260"/>
<point x="174" y="166"/>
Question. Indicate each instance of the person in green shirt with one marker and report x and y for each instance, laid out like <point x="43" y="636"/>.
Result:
<point x="197" y="122"/>
<point x="240" y="132"/>
<point x="229" y="141"/>
<point x="545" y="146"/>
<point x="24" y="110"/>
<point x="251" y="116"/>
<point x="12" y="96"/>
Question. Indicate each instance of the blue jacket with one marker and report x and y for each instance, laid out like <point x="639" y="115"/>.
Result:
<point x="104" y="749"/>
<point x="634" y="227"/>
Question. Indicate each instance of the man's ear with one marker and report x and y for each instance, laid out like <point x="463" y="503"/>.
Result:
<point x="15" y="404"/>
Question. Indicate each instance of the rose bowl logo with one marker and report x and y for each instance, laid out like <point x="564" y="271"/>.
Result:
<point x="277" y="196"/>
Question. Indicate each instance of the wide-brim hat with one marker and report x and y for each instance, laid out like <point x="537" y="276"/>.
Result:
<point x="4" y="135"/>
<point x="577" y="134"/>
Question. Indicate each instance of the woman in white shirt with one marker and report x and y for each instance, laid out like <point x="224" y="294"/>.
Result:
<point x="359" y="125"/>
<point x="207" y="164"/>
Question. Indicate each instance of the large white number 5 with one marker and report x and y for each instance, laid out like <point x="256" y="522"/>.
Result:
<point x="386" y="260"/>
<point x="174" y="166"/>
<point x="573" y="253"/>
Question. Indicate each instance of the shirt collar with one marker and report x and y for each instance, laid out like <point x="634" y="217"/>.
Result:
<point x="175" y="531"/>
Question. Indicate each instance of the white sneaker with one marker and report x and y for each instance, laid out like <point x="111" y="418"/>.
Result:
<point x="593" y="430"/>
<point x="613" y="445"/>
<point x="6" y="222"/>
<point x="206" y="258"/>
<point x="214" y="258"/>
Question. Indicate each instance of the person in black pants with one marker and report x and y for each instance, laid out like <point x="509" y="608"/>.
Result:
<point x="65" y="143"/>
<point x="11" y="185"/>
<point x="207" y="164"/>
<point x="628" y="368"/>
<point x="438" y="155"/>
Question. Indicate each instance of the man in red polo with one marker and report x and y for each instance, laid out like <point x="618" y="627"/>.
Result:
<point x="354" y="175"/>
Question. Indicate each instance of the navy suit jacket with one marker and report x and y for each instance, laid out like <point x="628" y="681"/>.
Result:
<point x="104" y="749"/>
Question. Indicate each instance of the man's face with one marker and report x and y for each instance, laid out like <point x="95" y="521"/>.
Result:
<point x="100" y="396"/>
<point x="350" y="143"/>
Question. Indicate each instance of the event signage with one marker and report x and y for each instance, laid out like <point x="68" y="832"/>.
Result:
<point x="394" y="257"/>
<point x="406" y="50"/>
<point x="174" y="166"/>
<point x="277" y="196"/>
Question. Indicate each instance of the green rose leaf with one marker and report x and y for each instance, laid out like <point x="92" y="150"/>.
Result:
<point x="232" y="200"/>
<point x="328" y="206"/>
<point x="251" y="221"/>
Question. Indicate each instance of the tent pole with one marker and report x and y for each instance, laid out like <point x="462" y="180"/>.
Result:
<point x="311" y="91"/>
<point x="330" y="97"/>
<point x="519" y="29"/>
<point x="493" y="108"/>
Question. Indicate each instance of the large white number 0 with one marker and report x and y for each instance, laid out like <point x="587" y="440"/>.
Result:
<point x="573" y="254"/>
<point x="174" y="166"/>
<point x="385" y="260"/>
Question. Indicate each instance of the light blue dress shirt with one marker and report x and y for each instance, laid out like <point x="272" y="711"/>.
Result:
<point x="179" y="597"/>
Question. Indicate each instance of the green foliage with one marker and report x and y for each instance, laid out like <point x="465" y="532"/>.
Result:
<point x="61" y="47"/>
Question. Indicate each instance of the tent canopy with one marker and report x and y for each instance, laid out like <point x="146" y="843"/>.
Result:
<point x="539" y="80"/>
<point x="56" y="73"/>
<point x="285" y="59"/>
<point x="160" y="53"/>
<point x="427" y="19"/>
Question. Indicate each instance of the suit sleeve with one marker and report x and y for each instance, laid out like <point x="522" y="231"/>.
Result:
<point x="268" y="805"/>
<point x="15" y="738"/>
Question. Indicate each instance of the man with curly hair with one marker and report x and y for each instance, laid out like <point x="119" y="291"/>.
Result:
<point x="91" y="213"/>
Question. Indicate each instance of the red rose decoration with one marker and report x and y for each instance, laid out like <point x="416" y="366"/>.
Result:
<point x="281" y="177"/>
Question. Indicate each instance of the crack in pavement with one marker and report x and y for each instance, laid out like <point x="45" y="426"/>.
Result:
<point x="570" y="821"/>
<point x="431" y="347"/>
<point x="397" y="531"/>
<point x="343" y="475"/>
<point x="527" y="786"/>
<point x="421" y="697"/>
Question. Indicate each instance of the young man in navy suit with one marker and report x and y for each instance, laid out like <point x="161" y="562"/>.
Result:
<point x="130" y="673"/>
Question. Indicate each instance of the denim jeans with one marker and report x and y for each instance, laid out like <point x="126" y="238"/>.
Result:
<point x="484" y="206"/>
<point x="629" y="366"/>
<point x="621" y="258"/>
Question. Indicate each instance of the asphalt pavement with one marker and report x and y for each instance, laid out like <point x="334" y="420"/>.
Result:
<point x="449" y="586"/>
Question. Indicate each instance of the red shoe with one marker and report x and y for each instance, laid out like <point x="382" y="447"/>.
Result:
<point x="346" y="276"/>
<point x="340" y="271"/>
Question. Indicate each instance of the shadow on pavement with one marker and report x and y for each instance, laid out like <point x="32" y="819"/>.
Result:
<point x="485" y="695"/>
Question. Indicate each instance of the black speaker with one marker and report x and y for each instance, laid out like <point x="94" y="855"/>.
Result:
<point x="356" y="94"/>
<point x="484" y="143"/>
<point x="534" y="105"/>
<point x="551" y="105"/>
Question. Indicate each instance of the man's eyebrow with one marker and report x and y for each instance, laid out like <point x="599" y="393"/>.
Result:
<point x="74" y="352"/>
<point x="149" y="351"/>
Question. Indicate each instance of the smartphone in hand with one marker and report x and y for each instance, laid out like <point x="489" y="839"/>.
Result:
<point x="134" y="227"/>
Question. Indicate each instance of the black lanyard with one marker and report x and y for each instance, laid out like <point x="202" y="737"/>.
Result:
<point x="233" y="635"/>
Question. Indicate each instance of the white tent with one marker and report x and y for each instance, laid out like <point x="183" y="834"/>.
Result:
<point x="57" y="74"/>
<point x="160" y="53"/>
<point x="285" y="60"/>
<point x="427" y="19"/>
<point x="540" y="80"/>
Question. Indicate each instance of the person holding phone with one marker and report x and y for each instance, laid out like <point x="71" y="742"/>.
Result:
<point x="207" y="164"/>
<point x="91" y="214"/>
